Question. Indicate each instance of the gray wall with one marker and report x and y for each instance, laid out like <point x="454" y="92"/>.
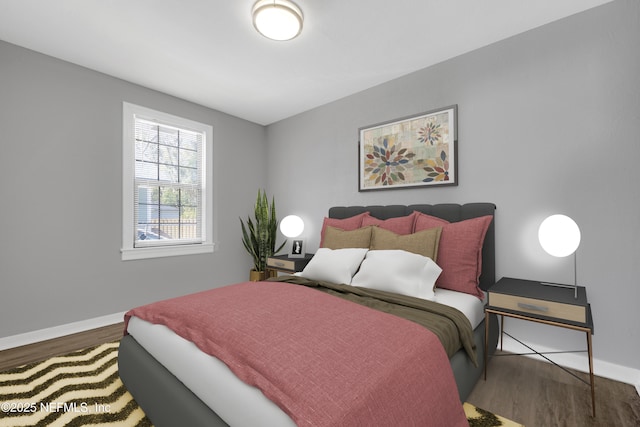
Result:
<point x="549" y="122"/>
<point x="61" y="208"/>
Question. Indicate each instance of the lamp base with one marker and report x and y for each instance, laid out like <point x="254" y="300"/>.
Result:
<point x="562" y="285"/>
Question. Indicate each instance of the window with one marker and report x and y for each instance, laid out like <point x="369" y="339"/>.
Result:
<point x="167" y="185"/>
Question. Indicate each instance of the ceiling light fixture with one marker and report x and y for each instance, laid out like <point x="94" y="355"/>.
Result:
<point x="277" y="19"/>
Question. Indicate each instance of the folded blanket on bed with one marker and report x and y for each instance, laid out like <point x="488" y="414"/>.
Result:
<point x="450" y="325"/>
<point x="324" y="360"/>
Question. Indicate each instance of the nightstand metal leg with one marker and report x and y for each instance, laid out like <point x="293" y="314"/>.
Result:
<point x="486" y="342"/>
<point x="501" y="331"/>
<point x="591" y="378"/>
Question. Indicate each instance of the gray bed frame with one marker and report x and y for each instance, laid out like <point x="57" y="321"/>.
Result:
<point x="168" y="402"/>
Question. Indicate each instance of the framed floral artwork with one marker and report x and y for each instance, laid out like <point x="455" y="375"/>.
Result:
<point x="415" y="151"/>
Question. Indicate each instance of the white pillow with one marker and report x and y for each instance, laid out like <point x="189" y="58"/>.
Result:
<point x="334" y="265"/>
<point x="398" y="271"/>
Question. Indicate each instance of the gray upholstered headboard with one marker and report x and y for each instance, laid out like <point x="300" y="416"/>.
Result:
<point x="449" y="211"/>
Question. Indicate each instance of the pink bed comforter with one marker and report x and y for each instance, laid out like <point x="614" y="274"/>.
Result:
<point x="322" y="360"/>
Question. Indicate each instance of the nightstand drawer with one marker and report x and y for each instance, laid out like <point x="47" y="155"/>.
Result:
<point x="285" y="264"/>
<point x="575" y="313"/>
<point x="288" y="264"/>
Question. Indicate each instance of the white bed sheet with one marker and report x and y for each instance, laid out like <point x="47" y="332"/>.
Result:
<point x="469" y="305"/>
<point x="216" y="385"/>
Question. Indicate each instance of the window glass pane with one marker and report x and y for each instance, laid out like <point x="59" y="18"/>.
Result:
<point x="188" y="176"/>
<point x="170" y="212"/>
<point x="146" y="132"/>
<point x="169" y="196"/>
<point x="189" y="158"/>
<point x="146" y="170"/>
<point x="146" y="234"/>
<point x="168" y="136"/>
<point x="189" y="230"/>
<point x="168" y="155"/>
<point x="190" y="140"/>
<point x="168" y="173"/>
<point x="146" y="151"/>
<point x="190" y="197"/>
<point x="169" y="230"/>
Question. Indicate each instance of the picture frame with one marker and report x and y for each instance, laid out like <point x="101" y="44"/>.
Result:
<point x="296" y="248"/>
<point x="415" y="151"/>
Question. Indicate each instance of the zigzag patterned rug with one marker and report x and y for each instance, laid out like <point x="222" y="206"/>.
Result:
<point x="84" y="389"/>
<point x="78" y="389"/>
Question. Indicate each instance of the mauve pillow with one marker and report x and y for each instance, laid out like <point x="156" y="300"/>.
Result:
<point x="424" y="221"/>
<point x="346" y="224"/>
<point x="459" y="251"/>
<point x="400" y="225"/>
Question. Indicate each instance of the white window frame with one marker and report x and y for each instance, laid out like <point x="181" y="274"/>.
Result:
<point x="129" y="114"/>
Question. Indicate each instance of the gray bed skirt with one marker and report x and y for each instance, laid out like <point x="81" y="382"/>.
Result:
<point x="164" y="399"/>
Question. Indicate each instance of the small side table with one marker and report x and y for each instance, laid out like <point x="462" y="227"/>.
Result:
<point x="547" y="303"/>
<point x="286" y="264"/>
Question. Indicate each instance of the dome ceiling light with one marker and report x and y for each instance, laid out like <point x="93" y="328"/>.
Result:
<point x="277" y="19"/>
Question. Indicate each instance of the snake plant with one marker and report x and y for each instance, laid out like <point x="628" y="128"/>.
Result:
<point x="259" y="234"/>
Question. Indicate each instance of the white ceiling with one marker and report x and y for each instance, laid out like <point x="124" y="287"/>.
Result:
<point x="208" y="52"/>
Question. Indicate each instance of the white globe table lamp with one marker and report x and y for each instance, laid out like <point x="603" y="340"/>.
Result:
<point x="559" y="236"/>
<point x="292" y="226"/>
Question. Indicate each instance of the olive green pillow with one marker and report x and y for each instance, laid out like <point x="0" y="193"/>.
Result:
<point x="335" y="238"/>
<point x="423" y="243"/>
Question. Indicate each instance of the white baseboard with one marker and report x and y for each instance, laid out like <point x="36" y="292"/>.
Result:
<point x="579" y="362"/>
<point x="59" y="331"/>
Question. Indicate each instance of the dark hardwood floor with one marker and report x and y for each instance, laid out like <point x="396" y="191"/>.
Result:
<point x="524" y="390"/>
<point x="23" y="355"/>
<point x="536" y="393"/>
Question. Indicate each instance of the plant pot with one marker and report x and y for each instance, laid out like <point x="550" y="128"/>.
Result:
<point x="257" y="276"/>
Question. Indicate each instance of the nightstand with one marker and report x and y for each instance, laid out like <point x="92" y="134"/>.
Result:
<point x="286" y="264"/>
<point x="550" y="304"/>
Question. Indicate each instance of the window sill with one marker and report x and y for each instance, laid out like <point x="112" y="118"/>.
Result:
<point x="130" y="254"/>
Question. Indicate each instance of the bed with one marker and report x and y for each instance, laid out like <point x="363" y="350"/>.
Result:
<point x="148" y="364"/>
